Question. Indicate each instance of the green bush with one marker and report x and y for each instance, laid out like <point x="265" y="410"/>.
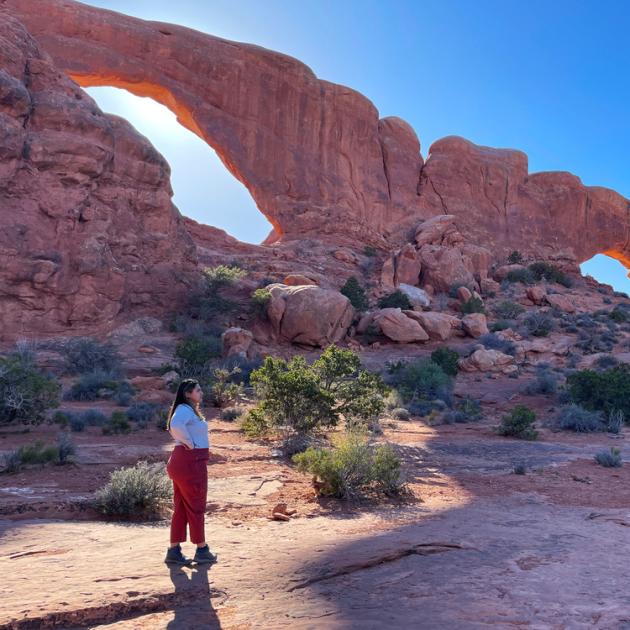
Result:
<point x="493" y="341"/>
<point x="355" y="293"/>
<point x="468" y="410"/>
<point x="26" y="393"/>
<point x="61" y="418"/>
<point x="86" y="354"/>
<point x="422" y="379"/>
<point x="543" y="270"/>
<point x="197" y="350"/>
<point x="538" y="324"/>
<point x="298" y="399"/>
<point x="447" y="359"/>
<point x="609" y="459"/>
<point x="260" y="301"/>
<point x="370" y="251"/>
<point x="140" y="490"/>
<point x="473" y="305"/>
<point x="605" y="391"/>
<point x="519" y="423"/>
<point x="96" y="385"/>
<point x="142" y="413"/>
<point x="525" y="276"/>
<point x="500" y="324"/>
<point x="117" y="423"/>
<point x="515" y="258"/>
<point x="575" y="418"/>
<point x="222" y="275"/>
<point x="508" y="309"/>
<point x="618" y="315"/>
<point x="352" y="468"/>
<point x="65" y="448"/>
<point x="224" y="390"/>
<point x="31" y="455"/>
<point x="397" y="299"/>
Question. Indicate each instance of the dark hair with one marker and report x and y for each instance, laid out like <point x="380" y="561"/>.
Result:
<point x="186" y="386"/>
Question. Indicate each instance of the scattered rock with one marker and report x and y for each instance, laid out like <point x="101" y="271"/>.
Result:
<point x="418" y="297"/>
<point x="475" y="324"/>
<point x="398" y="327"/>
<point x="484" y="360"/>
<point x="438" y="325"/>
<point x="236" y="341"/>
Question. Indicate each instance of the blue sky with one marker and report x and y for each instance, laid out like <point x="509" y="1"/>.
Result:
<point x="543" y="77"/>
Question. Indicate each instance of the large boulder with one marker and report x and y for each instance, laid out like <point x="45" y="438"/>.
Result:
<point x="432" y="230"/>
<point x="561" y="302"/>
<point x="438" y="325"/>
<point x="484" y="360"/>
<point x="397" y="326"/>
<point x="408" y="266"/>
<point x="419" y="298"/>
<point x="309" y="315"/>
<point x="475" y="324"/>
<point x="442" y="267"/>
<point x="236" y="341"/>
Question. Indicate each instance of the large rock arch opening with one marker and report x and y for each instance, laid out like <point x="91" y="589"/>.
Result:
<point x="203" y="189"/>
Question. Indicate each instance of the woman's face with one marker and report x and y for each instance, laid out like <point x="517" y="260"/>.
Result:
<point x="195" y="395"/>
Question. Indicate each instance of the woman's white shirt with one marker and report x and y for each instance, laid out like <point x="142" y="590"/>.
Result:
<point x="188" y="428"/>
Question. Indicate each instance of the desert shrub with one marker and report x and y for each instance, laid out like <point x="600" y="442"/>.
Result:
<point x="61" y="418"/>
<point x="605" y="391"/>
<point x="507" y="309"/>
<point x="229" y="414"/>
<point x="499" y="325"/>
<point x="117" y="423"/>
<point x="26" y="392"/>
<point x="519" y="469"/>
<point x="123" y="398"/>
<point x="422" y="379"/>
<point x="609" y="459"/>
<point x="240" y="368"/>
<point x="297" y="398"/>
<point x="546" y="382"/>
<point x="370" y="251"/>
<point x="473" y="305"/>
<point x="30" y="455"/>
<point x="77" y="423"/>
<point x="575" y="418"/>
<point x="515" y="258"/>
<point x="467" y="410"/>
<point x="447" y="359"/>
<point x="65" y="448"/>
<point x="260" y="301"/>
<point x="519" y="423"/>
<point x="544" y="270"/>
<point x="538" y="324"/>
<point x="140" y="490"/>
<point x="142" y="413"/>
<point x="616" y="419"/>
<point x="197" y="350"/>
<point x="94" y="385"/>
<point x="372" y="333"/>
<point x="355" y="293"/>
<point x="606" y="361"/>
<point x="352" y="468"/>
<point x="618" y="315"/>
<point x="492" y="341"/>
<point x="86" y="354"/>
<point x="396" y="299"/>
<point x="210" y="302"/>
<point x="400" y="413"/>
<point x="224" y="390"/>
<point x="524" y="276"/>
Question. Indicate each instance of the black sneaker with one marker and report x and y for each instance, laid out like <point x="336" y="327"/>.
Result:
<point x="174" y="555"/>
<point x="203" y="555"/>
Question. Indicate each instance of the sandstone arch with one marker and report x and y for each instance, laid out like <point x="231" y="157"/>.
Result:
<point x="315" y="155"/>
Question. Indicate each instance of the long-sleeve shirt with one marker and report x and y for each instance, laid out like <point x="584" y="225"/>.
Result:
<point x="188" y="428"/>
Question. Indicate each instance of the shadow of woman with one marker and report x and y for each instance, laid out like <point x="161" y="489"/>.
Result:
<point x="193" y="600"/>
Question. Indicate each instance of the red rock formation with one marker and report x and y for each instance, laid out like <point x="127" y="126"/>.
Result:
<point x="314" y="155"/>
<point x="87" y="226"/>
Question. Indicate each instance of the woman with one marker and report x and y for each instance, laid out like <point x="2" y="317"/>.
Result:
<point x="187" y="468"/>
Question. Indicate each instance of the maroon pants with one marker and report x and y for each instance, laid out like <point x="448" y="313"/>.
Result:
<point x="188" y="470"/>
